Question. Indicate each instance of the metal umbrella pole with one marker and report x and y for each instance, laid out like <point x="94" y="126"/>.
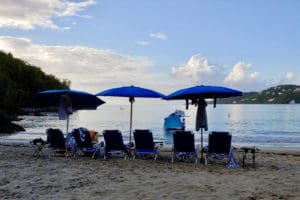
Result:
<point x="201" y="150"/>
<point x="131" y="100"/>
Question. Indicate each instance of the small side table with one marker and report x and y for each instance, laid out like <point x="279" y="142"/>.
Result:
<point x="37" y="145"/>
<point x="247" y="150"/>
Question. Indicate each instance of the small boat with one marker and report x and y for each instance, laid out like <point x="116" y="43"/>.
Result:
<point x="292" y="101"/>
<point x="175" y="121"/>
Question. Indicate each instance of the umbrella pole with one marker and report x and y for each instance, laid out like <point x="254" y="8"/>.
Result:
<point x="130" y="128"/>
<point x="66" y="143"/>
<point x="201" y="150"/>
<point x="67" y="124"/>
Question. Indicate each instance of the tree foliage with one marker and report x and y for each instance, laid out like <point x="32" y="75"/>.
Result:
<point x="20" y="81"/>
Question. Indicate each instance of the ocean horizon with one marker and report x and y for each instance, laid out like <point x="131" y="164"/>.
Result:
<point x="265" y="126"/>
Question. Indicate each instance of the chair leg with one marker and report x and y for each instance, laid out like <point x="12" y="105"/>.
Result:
<point x="96" y="151"/>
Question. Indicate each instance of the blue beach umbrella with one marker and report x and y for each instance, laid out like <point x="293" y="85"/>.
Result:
<point x="205" y="92"/>
<point x="131" y="92"/>
<point x="68" y="101"/>
<point x="197" y="94"/>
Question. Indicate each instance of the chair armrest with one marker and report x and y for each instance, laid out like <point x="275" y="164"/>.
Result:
<point x="158" y="145"/>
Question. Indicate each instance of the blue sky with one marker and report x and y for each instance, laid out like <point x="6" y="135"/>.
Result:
<point x="164" y="45"/>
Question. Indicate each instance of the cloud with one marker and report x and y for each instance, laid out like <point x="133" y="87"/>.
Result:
<point x="197" y="71"/>
<point x="159" y="36"/>
<point x="88" y="68"/>
<point x="30" y="14"/>
<point x="94" y="69"/>
<point x="239" y="74"/>
<point x="73" y="8"/>
<point x="142" y="43"/>
<point x="241" y="77"/>
<point x="291" y="78"/>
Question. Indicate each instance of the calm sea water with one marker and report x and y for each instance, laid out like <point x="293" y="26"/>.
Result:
<point x="263" y="126"/>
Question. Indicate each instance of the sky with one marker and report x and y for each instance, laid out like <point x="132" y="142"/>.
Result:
<point x="163" y="45"/>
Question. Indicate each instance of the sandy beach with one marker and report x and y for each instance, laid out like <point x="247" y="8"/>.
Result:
<point x="276" y="176"/>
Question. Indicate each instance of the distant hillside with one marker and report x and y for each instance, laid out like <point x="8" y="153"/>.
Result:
<point x="281" y="94"/>
<point x="19" y="82"/>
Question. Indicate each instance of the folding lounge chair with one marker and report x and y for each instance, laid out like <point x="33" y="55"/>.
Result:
<point x="184" y="146"/>
<point x="114" y="144"/>
<point x="219" y="146"/>
<point x="83" y="142"/>
<point x="56" y="141"/>
<point x="144" y="144"/>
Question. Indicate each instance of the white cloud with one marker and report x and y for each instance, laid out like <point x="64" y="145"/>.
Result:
<point x="142" y="43"/>
<point x="159" y="36"/>
<point x="29" y="14"/>
<point x="239" y="74"/>
<point x="291" y="78"/>
<point x="88" y="68"/>
<point x="241" y="77"/>
<point x="197" y="71"/>
<point x="73" y="8"/>
<point x="93" y="69"/>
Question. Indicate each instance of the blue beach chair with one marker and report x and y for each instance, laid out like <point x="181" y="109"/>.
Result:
<point x="184" y="146"/>
<point x="81" y="141"/>
<point x="114" y="144"/>
<point x="56" y="141"/>
<point x="144" y="144"/>
<point x="219" y="147"/>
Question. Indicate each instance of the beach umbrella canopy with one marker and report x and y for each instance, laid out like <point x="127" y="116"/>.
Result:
<point x="80" y="100"/>
<point x="67" y="101"/>
<point x="203" y="91"/>
<point x="131" y="92"/>
<point x="197" y="94"/>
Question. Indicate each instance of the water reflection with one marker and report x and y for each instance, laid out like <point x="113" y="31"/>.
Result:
<point x="249" y="124"/>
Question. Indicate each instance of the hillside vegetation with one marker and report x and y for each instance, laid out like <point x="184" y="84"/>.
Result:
<point x="19" y="82"/>
<point x="281" y="94"/>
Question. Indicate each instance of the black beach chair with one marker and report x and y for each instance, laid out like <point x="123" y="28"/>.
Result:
<point x="184" y="146"/>
<point x="56" y="141"/>
<point x="144" y="144"/>
<point x="114" y="144"/>
<point x="219" y="145"/>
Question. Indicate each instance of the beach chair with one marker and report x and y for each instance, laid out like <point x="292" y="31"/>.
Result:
<point x="56" y="141"/>
<point x="219" y="147"/>
<point x="184" y="146"/>
<point x="144" y="144"/>
<point x="81" y="141"/>
<point x="114" y="144"/>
